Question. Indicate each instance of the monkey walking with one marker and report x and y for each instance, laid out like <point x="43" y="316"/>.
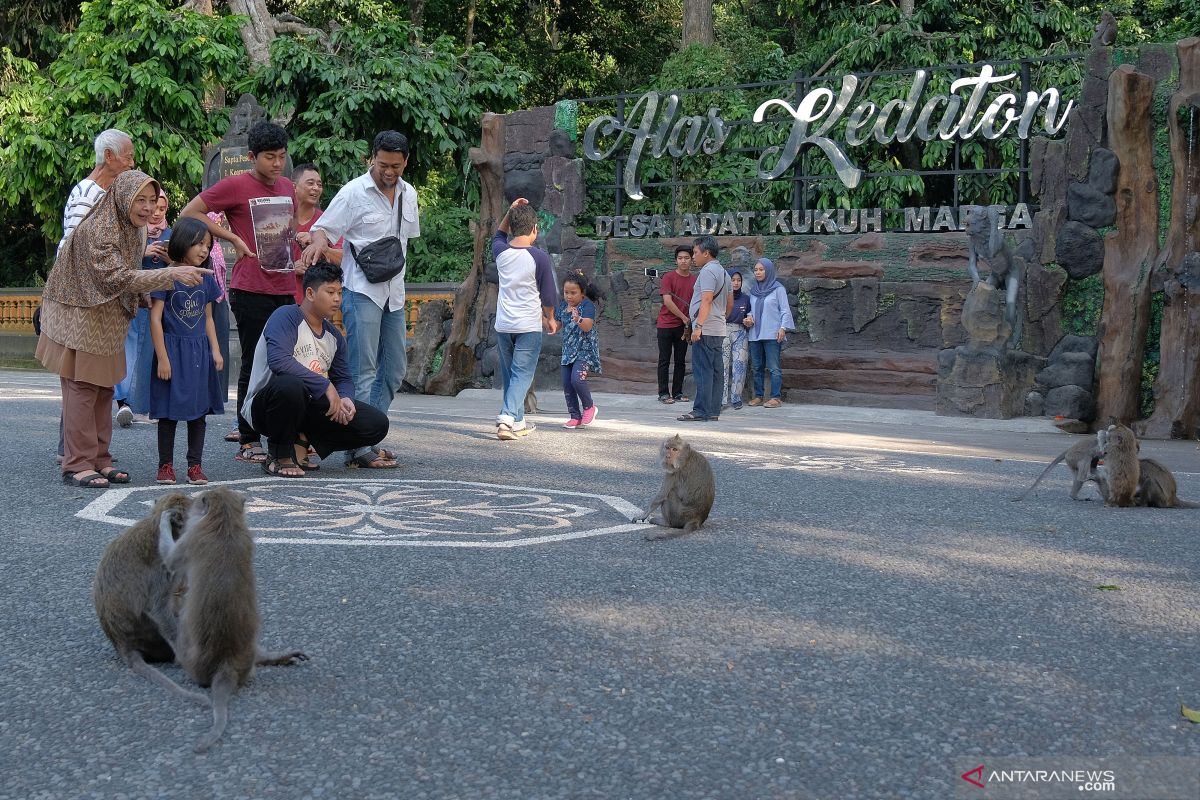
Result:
<point x="687" y="491"/>
<point x="1081" y="458"/>
<point x="219" y="618"/>
<point x="1122" y="471"/>
<point x="135" y="598"/>
<point x="1157" y="488"/>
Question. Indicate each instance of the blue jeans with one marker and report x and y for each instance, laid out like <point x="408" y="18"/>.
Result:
<point x="139" y="329"/>
<point x="766" y="350"/>
<point x="375" y="341"/>
<point x="575" y="388"/>
<point x="707" y="368"/>
<point x="140" y="373"/>
<point x="221" y="323"/>
<point x="518" y="363"/>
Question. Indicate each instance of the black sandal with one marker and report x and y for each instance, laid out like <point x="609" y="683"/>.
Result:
<point x="275" y="468"/>
<point x="93" y="481"/>
<point x="691" y="418"/>
<point x="115" y="475"/>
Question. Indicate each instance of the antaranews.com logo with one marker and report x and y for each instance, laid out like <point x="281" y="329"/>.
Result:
<point x="1060" y="778"/>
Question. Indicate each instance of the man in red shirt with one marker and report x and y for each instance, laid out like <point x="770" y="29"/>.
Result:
<point x="259" y="206"/>
<point x="676" y="290"/>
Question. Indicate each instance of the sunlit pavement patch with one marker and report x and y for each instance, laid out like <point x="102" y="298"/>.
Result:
<point x="397" y="512"/>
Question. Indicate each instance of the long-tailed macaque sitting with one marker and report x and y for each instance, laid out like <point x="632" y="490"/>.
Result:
<point x="1122" y="471"/>
<point x="134" y="595"/>
<point x="1081" y="458"/>
<point x="219" y="619"/>
<point x="1157" y="488"/>
<point x="687" y="491"/>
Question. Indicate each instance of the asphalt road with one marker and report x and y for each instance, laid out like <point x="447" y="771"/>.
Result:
<point x="866" y="614"/>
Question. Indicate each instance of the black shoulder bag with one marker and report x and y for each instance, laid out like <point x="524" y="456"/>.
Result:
<point x="383" y="259"/>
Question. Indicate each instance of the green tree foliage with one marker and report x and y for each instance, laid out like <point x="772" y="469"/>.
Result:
<point x="131" y="64"/>
<point x="376" y="79"/>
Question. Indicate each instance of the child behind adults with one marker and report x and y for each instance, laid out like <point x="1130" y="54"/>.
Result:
<point x="576" y="313"/>
<point x="187" y="355"/>
<point x="300" y="391"/>
<point x="133" y="392"/>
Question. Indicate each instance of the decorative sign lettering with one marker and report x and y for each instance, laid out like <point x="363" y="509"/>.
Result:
<point x="820" y="118"/>
<point x="843" y="220"/>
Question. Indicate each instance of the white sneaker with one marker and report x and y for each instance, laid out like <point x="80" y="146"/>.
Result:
<point x="124" y="416"/>
<point x="525" y="429"/>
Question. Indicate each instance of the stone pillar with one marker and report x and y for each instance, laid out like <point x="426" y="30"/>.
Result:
<point x="1130" y="251"/>
<point x="1177" y="389"/>
<point x="983" y="378"/>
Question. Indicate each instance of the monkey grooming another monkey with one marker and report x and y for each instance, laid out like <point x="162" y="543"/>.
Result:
<point x="1122" y="472"/>
<point x="219" y="619"/>
<point x="134" y="595"/>
<point x="1156" y="487"/>
<point x="1081" y="458"/>
<point x="687" y="491"/>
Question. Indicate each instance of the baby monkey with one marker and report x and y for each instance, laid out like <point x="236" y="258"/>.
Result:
<point x="687" y="491"/>
<point x="1081" y="458"/>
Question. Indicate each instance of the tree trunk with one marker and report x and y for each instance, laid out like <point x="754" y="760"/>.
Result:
<point x="697" y="22"/>
<point x="199" y="6"/>
<point x="908" y="7"/>
<point x="1131" y="250"/>
<point x="1177" y="389"/>
<point x="475" y="301"/>
<point x="416" y="12"/>
<point x="470" y="37"/>
<point x="258" y="33"/>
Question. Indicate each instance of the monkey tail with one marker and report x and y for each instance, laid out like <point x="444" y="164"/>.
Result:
<point x="1045" y="472"/>
<point x="224" y="684"/>
<point x="139" y="665"/>
<point x="1185" y="504"/>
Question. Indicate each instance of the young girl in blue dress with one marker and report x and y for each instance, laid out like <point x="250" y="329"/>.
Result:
<point x="184" y="384"/>
<point x="576" y="313"/>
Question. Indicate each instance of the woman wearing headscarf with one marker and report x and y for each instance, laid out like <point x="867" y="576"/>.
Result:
<point x="133" y="393"/>
<point x="90" y="297"/>
<point x="769" y="320"/>
<point x="736" y="347"/>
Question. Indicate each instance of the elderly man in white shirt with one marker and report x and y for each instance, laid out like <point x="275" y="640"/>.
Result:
<point x="374" y="206"/>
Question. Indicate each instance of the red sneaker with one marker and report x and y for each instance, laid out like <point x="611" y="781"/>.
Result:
<point x="196" y="476"/>
<point x="589" y="414"/>
<point x="166" y="474"/>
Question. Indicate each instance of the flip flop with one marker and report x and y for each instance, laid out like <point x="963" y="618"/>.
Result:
<point x="691" y="418"/>
<point x="372" y="461"/>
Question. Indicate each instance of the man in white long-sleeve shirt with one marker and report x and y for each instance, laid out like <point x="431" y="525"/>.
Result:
<point x="374" y="206"/>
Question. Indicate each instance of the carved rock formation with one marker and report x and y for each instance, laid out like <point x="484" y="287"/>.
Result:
<point x="1131" y="250"/>
<point x="428" y="335"/>
<point x="1177" y="389"/>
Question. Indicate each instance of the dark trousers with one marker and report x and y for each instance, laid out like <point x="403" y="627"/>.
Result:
<point x="251" y="310"/>
<point x="196" y="428"/>
<point x="575" y="387"/>
<point x="284" y="412"/>
<point x="708" y="368"/>
<point x="671" y="347"/>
